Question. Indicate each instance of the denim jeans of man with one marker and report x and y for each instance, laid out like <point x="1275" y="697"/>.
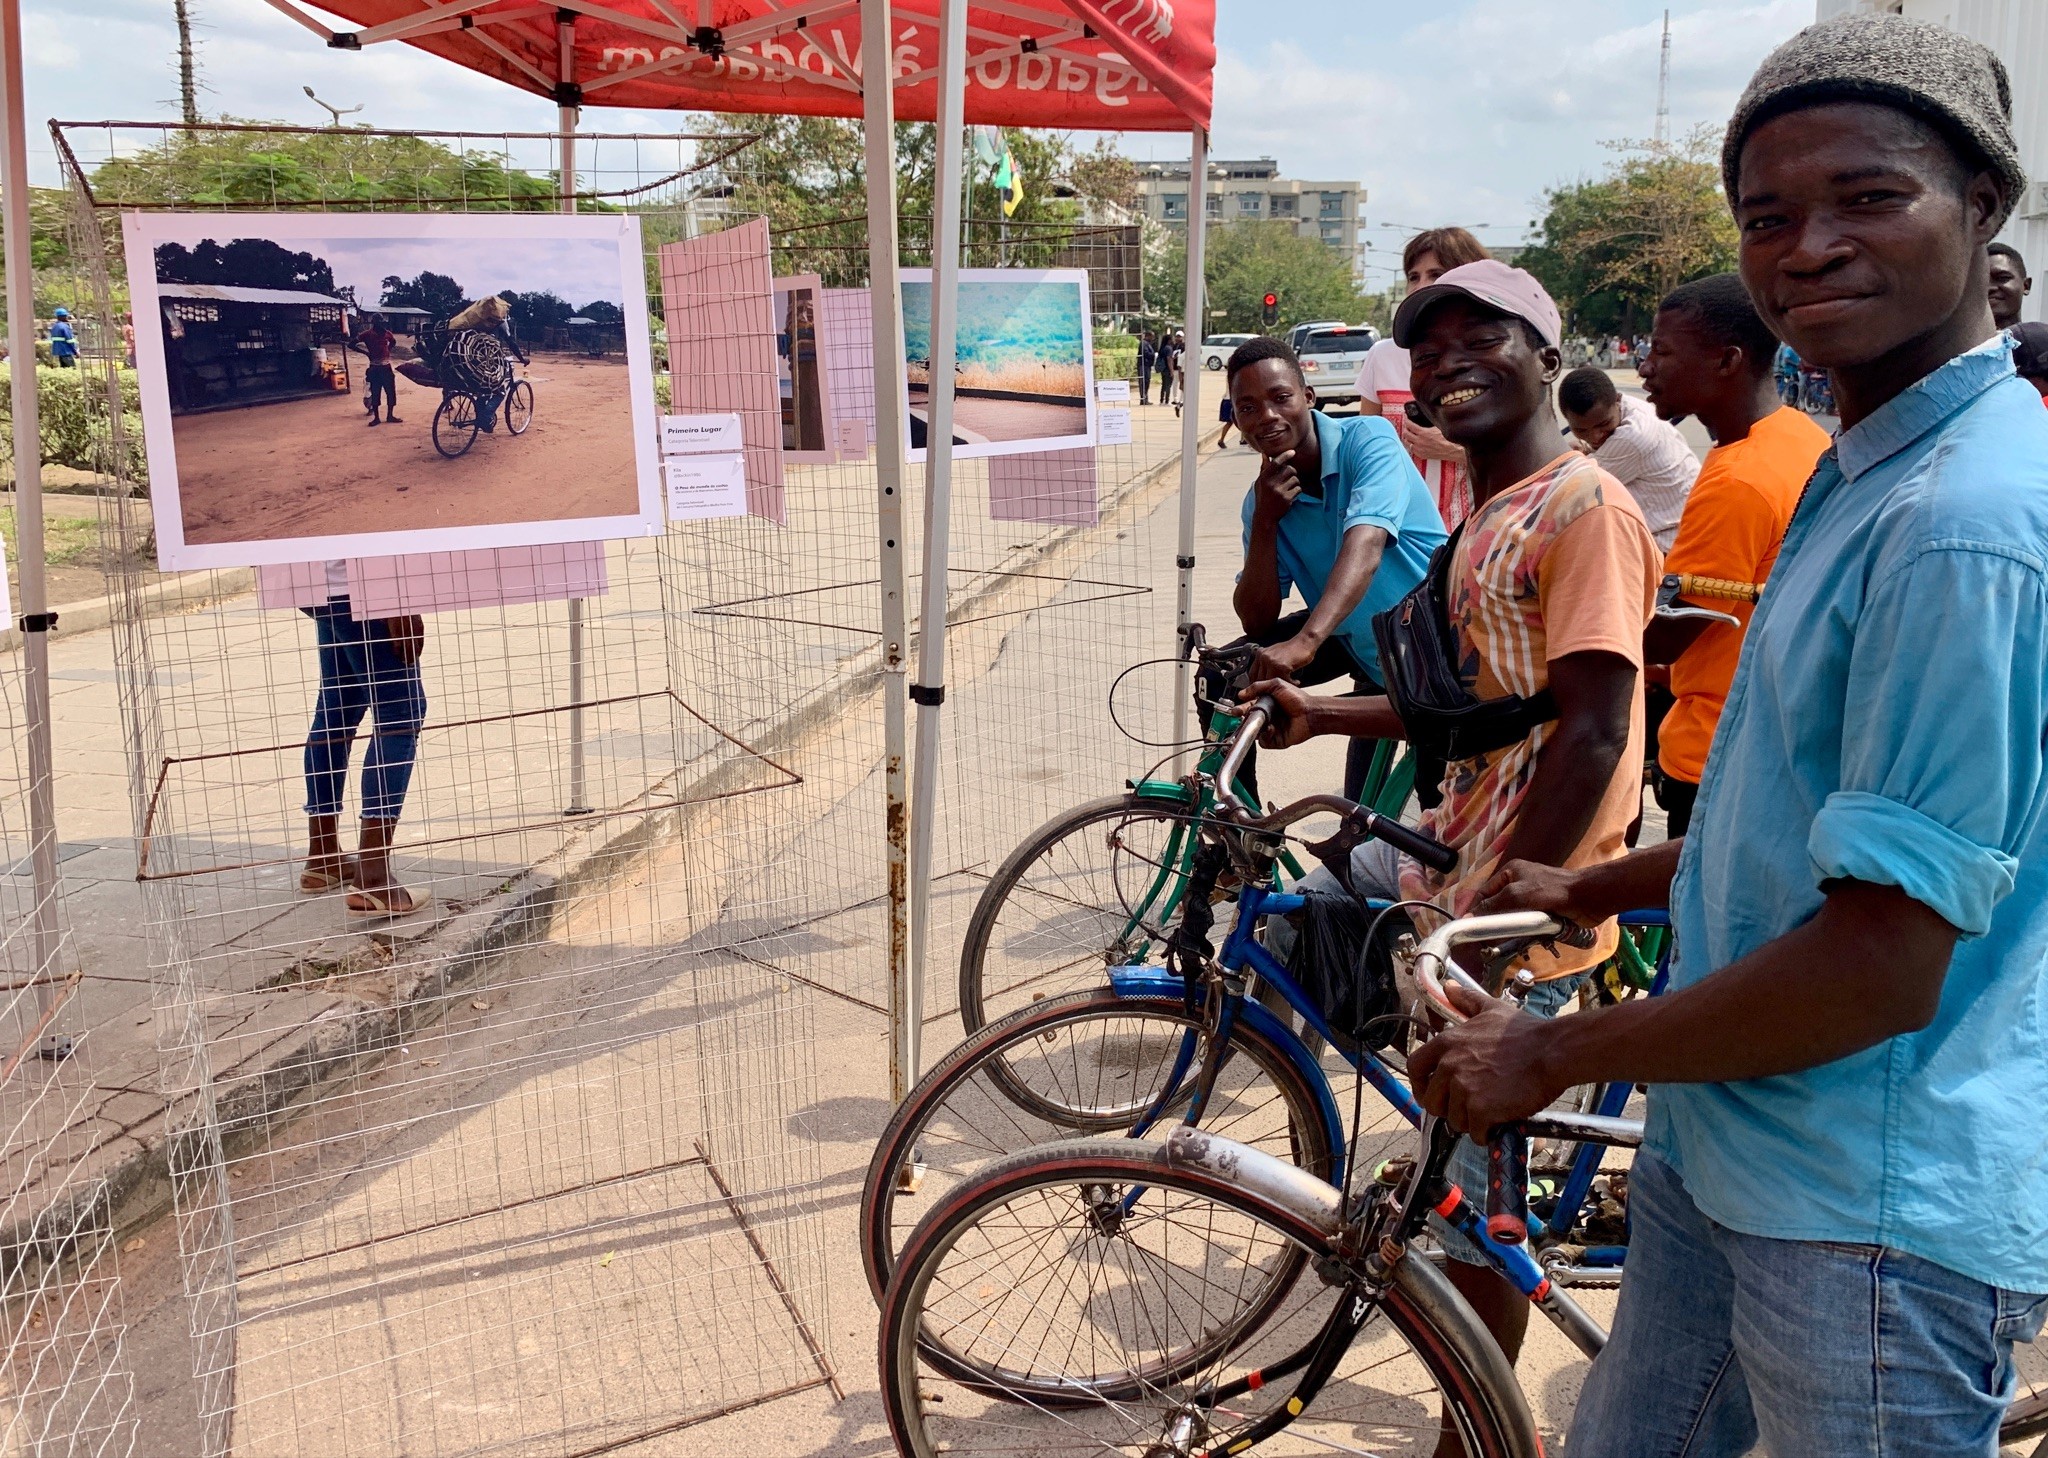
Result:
<point x="361" y="674"/>
<point x="1818" y="1349"/>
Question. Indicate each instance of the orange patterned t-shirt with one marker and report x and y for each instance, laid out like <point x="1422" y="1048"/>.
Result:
<point x="1559" y="563"/>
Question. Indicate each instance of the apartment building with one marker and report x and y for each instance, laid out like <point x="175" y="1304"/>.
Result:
<point x="1243" y="191"/>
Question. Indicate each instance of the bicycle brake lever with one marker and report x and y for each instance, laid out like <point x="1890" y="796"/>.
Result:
<point x="1677" y="613"/>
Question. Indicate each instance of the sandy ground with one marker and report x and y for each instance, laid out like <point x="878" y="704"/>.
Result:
<point x="312" y="467"/>
<point x="976" y="420"/>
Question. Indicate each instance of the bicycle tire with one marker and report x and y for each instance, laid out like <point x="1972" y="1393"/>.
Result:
<point x="987" y="994"/>
<point x="455" y="425"/>
<point x="959" y="1093"/>
<point x="926" y="1400"/>
<point x="519" y="407"/>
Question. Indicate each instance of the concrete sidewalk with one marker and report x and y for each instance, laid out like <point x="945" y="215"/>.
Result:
<point x="317" y="971"/>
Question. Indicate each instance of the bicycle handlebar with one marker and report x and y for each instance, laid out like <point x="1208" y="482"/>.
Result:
<point x="1507" y="1152"/>
<point x="1433" y="958"/>
<point x="1406" y="839"/>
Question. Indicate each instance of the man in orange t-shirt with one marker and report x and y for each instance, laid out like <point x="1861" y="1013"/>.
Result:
<point x="1711" y="355"/>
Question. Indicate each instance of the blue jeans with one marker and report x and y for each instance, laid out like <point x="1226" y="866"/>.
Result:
<point x="361" y="674"/>
<point x="1819" y="1349"/>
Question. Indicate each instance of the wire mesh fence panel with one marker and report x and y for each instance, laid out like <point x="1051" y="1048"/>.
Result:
<point x="463" y="1178"/>
<point x="66" y="1386"/>
<point x="458" y="1178"/>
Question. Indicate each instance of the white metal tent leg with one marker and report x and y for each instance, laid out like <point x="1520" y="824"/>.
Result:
<point x="885" y="300"/>
<point x="929" y="690"/>
<point x="1194" y="316"/>
<point x="28" y="520"/>
<point x="566" y="116"/>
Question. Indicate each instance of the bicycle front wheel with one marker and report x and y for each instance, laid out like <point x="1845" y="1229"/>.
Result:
<point x="1080" y="1299"/>
<point x="1087" y="1063"/>
<point x="455" y="425"/>
<point x="519" y="407"/>
<point x="1092" y="889"/>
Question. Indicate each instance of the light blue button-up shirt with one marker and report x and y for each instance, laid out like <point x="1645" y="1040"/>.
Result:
<point x="1887" y="725"/>
<point x="1367" y="480"/>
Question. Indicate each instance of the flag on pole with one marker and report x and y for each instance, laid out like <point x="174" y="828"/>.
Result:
<point x="1009" y="183"/>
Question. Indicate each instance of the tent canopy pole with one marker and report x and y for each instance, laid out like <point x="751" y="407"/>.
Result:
<point x="1194" y="313"/>
<point x="36" y="617"/>
<point x="885" y="301"/>
<point x="929" y="691"/>
<point x="566" y="118"/>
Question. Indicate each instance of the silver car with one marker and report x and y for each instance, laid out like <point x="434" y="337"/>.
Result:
<point x="1330" y="361"/>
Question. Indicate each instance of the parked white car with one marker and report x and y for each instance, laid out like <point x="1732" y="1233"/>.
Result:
<point x="1330" y="361"/>
<point x="1217" y="348"/>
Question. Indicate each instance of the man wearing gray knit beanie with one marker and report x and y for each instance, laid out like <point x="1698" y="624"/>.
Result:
<point x="1839" y="1210"/>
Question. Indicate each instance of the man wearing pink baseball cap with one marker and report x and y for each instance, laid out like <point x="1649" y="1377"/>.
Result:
<point x="1547" y="587"/>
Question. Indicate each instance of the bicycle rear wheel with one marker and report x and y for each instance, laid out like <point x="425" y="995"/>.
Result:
<point x="1064" y="1327"/>
<point x="1092" y="889"/>
<point x="519" y="407"/>
<point x="455" y="425"/>
<point x="1087" y="1063"/>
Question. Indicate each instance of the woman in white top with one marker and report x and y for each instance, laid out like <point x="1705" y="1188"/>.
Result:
<point x="1383" y="387"/>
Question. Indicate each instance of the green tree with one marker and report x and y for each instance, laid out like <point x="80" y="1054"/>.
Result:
<point x="808" y="177"/>
<point x="1610" y="248"/>
<point x="337" y="166"/>
<point x="1242" y="263"/>
<point x="537" y="310"/>
<point x="437" y="293"/>
<point x="255" y="263"/>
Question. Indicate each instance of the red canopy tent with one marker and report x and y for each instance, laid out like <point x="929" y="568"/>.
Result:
<point x="1123" y="65"/>
<point x="1112" y="65"/>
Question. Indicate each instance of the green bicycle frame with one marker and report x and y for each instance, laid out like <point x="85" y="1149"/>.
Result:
<point x="1388" y="781"/>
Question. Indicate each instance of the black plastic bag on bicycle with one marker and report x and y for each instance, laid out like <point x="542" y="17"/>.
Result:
<point x="1350" y="981"/>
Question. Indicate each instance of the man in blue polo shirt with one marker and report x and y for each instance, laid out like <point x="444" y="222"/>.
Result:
<point x="1338" y="514"/>
<point x="1839" y="1211"/>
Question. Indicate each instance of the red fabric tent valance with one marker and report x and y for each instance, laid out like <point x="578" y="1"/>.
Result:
<point x="1121" y="65"/>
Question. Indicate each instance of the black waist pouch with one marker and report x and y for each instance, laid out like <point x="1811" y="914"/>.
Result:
<point x="1351" y="982"/>
<point x="1418" y="664"/>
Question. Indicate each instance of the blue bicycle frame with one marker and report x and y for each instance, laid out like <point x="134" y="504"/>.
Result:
<point x="1241" y="951"/>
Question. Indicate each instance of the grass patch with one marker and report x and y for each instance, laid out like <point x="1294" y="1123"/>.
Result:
<point x="67" y="541"/>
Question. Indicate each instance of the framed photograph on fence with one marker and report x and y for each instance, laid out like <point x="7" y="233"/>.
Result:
<point x="800" y="369"/>
<point x="1024" y="372"/>
<point x="319" y="386"/>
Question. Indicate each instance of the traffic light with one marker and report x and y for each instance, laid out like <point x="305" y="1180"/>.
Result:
<point x="1272" y="305"/>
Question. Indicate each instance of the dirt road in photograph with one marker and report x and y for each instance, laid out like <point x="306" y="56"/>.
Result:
<point x="977" y="419"/>
<point x="313" y="467"/>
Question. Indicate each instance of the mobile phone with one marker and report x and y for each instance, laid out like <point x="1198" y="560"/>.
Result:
<point x="1416" y="414"/>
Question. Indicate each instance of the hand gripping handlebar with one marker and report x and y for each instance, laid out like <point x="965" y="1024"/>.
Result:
<point x="1507" y="1155"/>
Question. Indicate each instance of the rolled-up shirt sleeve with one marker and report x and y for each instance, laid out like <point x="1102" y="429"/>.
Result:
<point x="1942" y="733"/>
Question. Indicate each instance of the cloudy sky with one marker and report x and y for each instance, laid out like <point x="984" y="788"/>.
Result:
<point x="579" y="270"/>
<point x="1457" y="111"/>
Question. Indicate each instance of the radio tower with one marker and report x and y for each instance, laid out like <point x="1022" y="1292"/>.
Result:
<point x="1664" y="85"/>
